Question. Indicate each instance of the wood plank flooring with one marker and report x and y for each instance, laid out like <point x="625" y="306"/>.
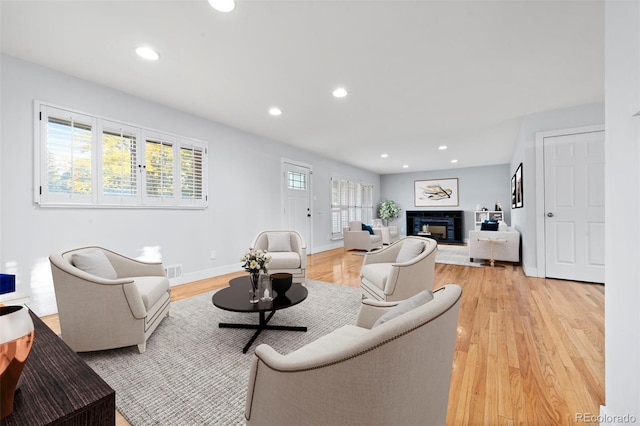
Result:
<point x="529" y="351"/>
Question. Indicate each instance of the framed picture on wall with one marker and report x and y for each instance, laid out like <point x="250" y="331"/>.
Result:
<point x="513" y="191"/>
<point x="436" y="192"/>
<point x="518" y="189"/>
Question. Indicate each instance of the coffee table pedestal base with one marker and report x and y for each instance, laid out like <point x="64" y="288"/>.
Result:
<point x="263" y="325"/>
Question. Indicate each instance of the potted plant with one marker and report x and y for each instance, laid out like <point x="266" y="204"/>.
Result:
<point x="388" y="210"/>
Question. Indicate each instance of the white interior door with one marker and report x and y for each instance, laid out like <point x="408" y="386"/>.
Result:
<point x="574" y="206"/>
<point x="297" y="200"/>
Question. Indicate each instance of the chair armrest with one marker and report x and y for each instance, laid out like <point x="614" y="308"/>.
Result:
<point x="129" y="267"/>
<point x="371" y="310"/>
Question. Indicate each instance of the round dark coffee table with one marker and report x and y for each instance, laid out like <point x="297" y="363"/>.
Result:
<point x="235" y="298"/>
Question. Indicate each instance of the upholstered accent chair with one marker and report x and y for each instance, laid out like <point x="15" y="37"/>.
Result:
<point x="399" y="270"/>
<point x="393" y="367"/>
<point x="355" y="238"/>
<point x="288" y="252"/>
<point x="107" y="300"/>
<point x="390" y="234"/>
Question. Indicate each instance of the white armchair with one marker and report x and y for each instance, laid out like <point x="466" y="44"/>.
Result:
<point x="390" y="234"/>
<point x="288" y="252"/>
<point x="400" y="270"/>
<point x="107" y="300"/>
<point x="396" y="372"/>
<point x="355" y="238"/>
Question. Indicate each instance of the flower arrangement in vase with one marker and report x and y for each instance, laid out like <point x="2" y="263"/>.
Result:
<point x="255" y="261"/>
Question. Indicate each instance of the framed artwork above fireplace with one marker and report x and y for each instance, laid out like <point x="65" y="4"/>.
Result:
<point x="436" y="192"/>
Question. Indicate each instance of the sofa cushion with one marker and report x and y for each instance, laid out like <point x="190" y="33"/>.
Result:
<point x="376" y="273"/>
<point x="151" y="289"/>
<point x="405" y="306"/>
<point x="94" y="262"/>
<point x="279" y="241"/>
<point x="284" y="260"/>
<point x="409" y="250"/>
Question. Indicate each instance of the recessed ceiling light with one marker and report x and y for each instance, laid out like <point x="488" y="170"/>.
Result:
<point x="275" y="111"/>
<point x="442" y="147"/>
<point x="454" y="161"/>
<point x="223" y="5"/>
<point x="405" y="166"/>
<point x="147" y="53"/>
<point x="384" y="155"/>
<point x="340" y="92"/>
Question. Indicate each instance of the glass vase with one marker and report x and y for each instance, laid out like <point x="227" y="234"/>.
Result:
<point x="254" y="277"/>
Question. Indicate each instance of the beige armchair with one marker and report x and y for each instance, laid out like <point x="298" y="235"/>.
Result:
<point x="400" y="270"/>
<point x="107" y="300"/>
<point x="396" y="372"/>
<point x="355" y="238"/>
<point x="390" y="234"/>
<point x="288" y="252"/>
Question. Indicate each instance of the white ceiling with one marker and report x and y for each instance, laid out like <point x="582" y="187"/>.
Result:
<point x="419" y="73"/>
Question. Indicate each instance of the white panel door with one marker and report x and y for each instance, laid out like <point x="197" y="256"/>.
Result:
<point x="574" y="206"/>
<point x="297" y="200"/>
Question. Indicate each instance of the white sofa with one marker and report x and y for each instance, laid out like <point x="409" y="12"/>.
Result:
<point x="288" y="252"/>
<point x="400" y="270"/>
<point x="354" y="238"/>
<point x="395" y="373"/>
<point x="507" y="251"/>
<point x="107" y="300"/>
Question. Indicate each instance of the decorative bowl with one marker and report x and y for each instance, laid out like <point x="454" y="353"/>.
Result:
<point x="281" y="282"/>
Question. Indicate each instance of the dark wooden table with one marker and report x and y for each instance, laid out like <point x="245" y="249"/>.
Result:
<point x="235" y="298"/>
<point x="59" y="388"/>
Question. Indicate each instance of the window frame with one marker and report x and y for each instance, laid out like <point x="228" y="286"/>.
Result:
<point x="97" y="198"/>
<point x="355" y="202"/>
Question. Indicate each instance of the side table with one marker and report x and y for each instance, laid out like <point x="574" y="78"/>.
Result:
<point x="492" y="241"/>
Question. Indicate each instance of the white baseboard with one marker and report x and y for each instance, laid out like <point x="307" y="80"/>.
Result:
<point x="204" y="274"/>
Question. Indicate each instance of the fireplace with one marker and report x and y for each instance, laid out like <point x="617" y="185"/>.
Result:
<point x="440" y="225"/>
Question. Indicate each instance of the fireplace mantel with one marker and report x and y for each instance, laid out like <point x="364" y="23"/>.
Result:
<point x="446" y="224"/>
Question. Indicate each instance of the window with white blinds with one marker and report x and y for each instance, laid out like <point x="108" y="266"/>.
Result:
<point x="88" y="161"/>
<point x="350" y="200"/>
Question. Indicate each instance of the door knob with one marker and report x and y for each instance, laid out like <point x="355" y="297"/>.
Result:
<point x="549" y="214"/>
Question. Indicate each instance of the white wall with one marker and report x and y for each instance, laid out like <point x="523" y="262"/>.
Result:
<point x="244" y="188"/>
<point x="622" y="176"/>
<point x="524" y="219"/>
<point x="476" y="185"/>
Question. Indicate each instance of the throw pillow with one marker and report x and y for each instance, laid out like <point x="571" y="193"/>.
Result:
<point x="405" y="306"/>
<point x="368" y="228"/>
<point x="280" y="241"/>
<point x="409" y="250"/>
<point x="94" y="262"/>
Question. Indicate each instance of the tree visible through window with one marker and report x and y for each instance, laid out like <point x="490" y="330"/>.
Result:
<point x="85" y="160"/>
<point x="69" y="167"/>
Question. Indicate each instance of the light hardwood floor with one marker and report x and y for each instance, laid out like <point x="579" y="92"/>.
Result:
<point x="529" y="351"/>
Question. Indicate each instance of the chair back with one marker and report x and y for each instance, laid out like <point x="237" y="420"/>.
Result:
<point x="261" y="241"/>
<point x="355" y="225"/>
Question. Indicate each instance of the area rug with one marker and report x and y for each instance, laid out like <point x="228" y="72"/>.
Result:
<point x="454" y="255"/>
<point x="195" y="373"/>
